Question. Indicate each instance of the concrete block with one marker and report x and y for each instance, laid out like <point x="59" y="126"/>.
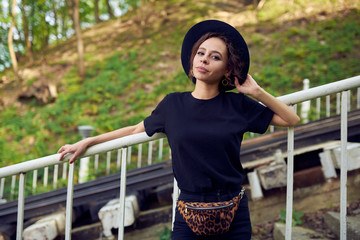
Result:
<point x="41" y="230"/>
<point x="256" y="192"/>
<point x="332" y="220"/>
<point x="59" y="219"/>
<point x="353" y="157"/>
<point x="48" y="227"/>
<point x="272" y="176"/>
<point x="109" y="215"/>
<point x="327" y="164"/>
<point x="297" y="233"/>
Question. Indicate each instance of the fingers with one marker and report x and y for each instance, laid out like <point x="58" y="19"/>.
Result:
<point x="61" y="149"/>
<point x="237" y="84"/>
<point x="66" y="150"/>
<point x="73" y="158"/>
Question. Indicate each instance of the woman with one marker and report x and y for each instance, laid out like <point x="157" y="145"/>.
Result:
<point x="205" y="129"/>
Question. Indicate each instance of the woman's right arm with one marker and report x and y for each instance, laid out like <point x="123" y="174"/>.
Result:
<point x="79" y="147"/>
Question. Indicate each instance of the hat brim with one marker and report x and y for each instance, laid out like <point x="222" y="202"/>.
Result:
<point x="199" y="29"/>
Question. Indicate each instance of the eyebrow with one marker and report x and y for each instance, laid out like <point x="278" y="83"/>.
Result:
<point x="211" y="51"/>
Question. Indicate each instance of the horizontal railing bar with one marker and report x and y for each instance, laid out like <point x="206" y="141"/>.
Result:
<point x="99" y="148"/>
<point x="320" y="91"/>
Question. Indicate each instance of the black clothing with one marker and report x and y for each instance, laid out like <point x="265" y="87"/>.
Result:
<point x="205" y="137"/>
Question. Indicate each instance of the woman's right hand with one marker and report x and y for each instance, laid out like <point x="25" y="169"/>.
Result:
<point x="76" y="149"/>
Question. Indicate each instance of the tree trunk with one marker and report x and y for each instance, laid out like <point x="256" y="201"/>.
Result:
<point x="10" y="41"/>
<point x="96" y="6"/>
<point x="46" y="38"/>
<point x="70" y="7"/>
<point x="56" y="26"/>
<point x="63" y="24"/>
<point x="28" y="50"/>
<point x="110" y="11"/>
<point x="80" y="45"/>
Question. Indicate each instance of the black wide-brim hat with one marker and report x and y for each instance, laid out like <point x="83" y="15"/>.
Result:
<point x="215" y="26"/>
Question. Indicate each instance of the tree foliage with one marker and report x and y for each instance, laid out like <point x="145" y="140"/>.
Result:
<point x="40" y="23"/>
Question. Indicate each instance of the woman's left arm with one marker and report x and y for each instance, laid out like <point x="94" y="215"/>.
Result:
<point x="283" y="115"/>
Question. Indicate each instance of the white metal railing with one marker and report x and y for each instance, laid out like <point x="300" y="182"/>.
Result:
<point x="307" y="110"/>
<point x="84" y="165"/>
<point x="124" y="143"/>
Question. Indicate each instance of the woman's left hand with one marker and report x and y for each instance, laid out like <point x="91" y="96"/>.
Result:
<point x="249" y="87"/>
<point x="283" y="115"/>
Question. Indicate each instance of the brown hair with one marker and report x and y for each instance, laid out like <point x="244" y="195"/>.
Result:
<point x="235" y="64"/>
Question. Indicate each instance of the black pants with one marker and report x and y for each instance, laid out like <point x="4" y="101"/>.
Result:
<point x="240" y="228"/>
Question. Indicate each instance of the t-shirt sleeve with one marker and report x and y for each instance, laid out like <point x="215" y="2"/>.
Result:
<point x="156" y="121"/>
<point x="258" y="116"/>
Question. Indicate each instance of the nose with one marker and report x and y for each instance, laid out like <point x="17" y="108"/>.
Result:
<point x="204" y="60"/>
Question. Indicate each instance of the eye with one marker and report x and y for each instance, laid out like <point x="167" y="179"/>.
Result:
<point x="216" y="57"/>
<point x="200" y="53"/>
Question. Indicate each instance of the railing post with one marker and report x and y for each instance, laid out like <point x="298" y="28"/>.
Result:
<point x="20" y="215"/>
<point x="358" y="98"/>
<point x="108" y="162"/>
<point x="139" y="155"/>
<point x="46" y="175"/>
<point x="83" y="170"/>
<point x="56" y="171"/>
<point x="122" y="195"/>
<point x="305" y="106"/>
<point x="13" y="182"/>
<point x="64" y="169"/>
<point x="338" y="100"/>
<point x="150" y="152"/>
<point x="118" y="159"/>
<point x="343" y="166"/>
<point x="289" y="184"/>
<point x="318" y="103"/>
<point x="34" y="183"/>
<point x="2" y="185"/>
<point x="69" y="202"/>
<point x="175" y="197"/>
<point x="96" y="162"/>
<point x="161" y="144"/>
<point x="129" y="149"/>
<point x="327" y="106"/>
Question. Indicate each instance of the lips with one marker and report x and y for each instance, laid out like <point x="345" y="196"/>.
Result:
<point x="202" y="69"/>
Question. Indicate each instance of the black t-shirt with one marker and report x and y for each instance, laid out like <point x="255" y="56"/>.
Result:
<point x="205" y="137"/>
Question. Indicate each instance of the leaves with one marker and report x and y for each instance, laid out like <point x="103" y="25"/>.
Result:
<point x="296" y="219"/>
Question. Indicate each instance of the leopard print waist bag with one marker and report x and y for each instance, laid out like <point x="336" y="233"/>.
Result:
<point x="211" y="218"/>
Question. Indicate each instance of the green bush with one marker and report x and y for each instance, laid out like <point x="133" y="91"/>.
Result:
<point x="296" y="219"/>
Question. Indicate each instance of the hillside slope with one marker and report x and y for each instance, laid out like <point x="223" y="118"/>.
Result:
<point x="133" y="61"/>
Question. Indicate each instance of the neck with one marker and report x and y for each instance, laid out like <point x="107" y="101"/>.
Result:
<point x="205" y="91"/>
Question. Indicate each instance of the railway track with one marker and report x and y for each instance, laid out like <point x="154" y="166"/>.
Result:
<point x="99" y="190"/>
<point x="316" y="132"/>
<point x="150" y="177"/>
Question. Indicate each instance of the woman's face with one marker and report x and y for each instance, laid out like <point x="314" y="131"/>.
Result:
<point x="210" y="61"/>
